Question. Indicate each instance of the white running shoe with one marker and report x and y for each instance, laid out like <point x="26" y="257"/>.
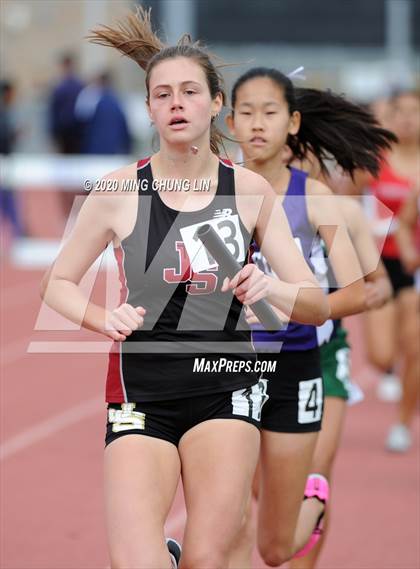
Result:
<point x="389" y="388"/>
<point x="355" y="393"/>
<point x="399" y="439"/>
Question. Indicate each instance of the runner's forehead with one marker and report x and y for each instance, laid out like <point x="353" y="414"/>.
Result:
<point x="261" y="91"/>
<point x="177" y="71"/>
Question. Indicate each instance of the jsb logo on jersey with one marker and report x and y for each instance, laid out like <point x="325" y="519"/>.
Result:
<point x="194" y="259"/>
<point x="198" y="283"/>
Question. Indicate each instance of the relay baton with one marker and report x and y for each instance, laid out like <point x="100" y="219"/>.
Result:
<point x="218" y="250"/>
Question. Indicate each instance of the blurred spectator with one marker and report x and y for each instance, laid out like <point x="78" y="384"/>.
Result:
<point x="64" y="127"/>
<point x="8" y="135"/>
<point x="105" y="125"/>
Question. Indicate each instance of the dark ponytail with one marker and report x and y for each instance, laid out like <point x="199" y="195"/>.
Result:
<point x="331" y="126"/>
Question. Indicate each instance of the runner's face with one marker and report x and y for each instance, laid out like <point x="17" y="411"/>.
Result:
<point x="180" y="103"/>
<point x="261" y="121"/>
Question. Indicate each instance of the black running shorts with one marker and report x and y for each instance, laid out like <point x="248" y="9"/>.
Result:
<point x="296" y="395"/>
<point x="170" y="420"/>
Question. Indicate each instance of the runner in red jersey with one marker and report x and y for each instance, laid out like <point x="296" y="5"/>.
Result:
<point x="391" y="189"/>
<point x="407" y="239"/>
<point x="399" y="175"/>
<point x="391" y="342"/>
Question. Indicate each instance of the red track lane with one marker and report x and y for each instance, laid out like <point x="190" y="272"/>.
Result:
<point x="51" y="478"/>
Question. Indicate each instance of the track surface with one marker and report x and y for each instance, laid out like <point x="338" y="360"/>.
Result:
<point x="52" y="428"/>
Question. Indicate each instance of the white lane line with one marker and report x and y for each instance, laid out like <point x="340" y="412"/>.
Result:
<point x="50" y="426"/>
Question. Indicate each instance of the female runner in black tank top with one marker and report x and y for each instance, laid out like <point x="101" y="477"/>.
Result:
<point x="186" y="309"/>
<point x="204" y="424"/>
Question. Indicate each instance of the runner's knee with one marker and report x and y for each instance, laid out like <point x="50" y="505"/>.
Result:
<point x="274" y="551"/>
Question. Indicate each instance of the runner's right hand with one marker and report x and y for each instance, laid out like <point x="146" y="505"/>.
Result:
<point x="122" y="321"/>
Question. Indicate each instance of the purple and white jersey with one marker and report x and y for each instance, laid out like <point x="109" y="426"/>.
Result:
<point x="294" y="336"/>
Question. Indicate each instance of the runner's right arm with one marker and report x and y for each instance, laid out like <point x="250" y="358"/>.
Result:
<point x="93" y="231"/>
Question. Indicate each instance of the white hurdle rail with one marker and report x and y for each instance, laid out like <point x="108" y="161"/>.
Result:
<point x="52" y="173"/>
<point x="44" y="171"/>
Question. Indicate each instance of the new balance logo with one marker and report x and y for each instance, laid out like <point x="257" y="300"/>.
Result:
<point x="226" y="212"/>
